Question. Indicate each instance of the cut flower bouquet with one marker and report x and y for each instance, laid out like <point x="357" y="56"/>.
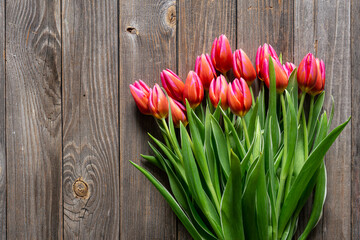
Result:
<point x="240" y="167"/>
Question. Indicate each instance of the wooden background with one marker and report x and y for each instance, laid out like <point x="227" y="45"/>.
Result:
<point x="69" y="126"/>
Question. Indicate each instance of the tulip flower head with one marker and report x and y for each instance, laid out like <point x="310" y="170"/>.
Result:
<point x="262" y="59"/>
<point x="239" y="97"/>
<point x="158" y="104"/>
<point x="205" y="70"/>
<point x="242" y="67"/>
<point x="178" y="112"/>
<point x="221" y="54"/>
<point x="141" y="92"/>
<point x="320" y="79"/>
<point x="218" y="90"/>
<point x="193" y="90"/>
<point x="307" y="73"/>
<point x="282" y="78"/>
<point x="289" y="67"/>
<point x="172" y="84"/>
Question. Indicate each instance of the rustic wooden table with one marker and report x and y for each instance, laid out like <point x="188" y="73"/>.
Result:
<point x="68" y="124"/>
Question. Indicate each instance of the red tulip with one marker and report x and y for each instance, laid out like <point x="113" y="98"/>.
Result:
<point x="158" y="104"/>
<point x="193" y="90"/>
<point x="221" y="54"/>
<point x="282" y="79"/>
<point x="320" y="79"/>
<point x="239" y="97"/>
<point x="205" y="70"/>
<point x="177" y="112"/>
<point x="242" y="67"/>
<point x="218" y="90"/>
<point x="262" y="59"/>
<point x="307" y="73"/>
<point x="172" y="84"/>
<point x="141" y="92"/>
<point x="289" y="67"/>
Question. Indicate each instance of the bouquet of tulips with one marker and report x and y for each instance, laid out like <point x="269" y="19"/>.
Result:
<point x="241" y="168"/>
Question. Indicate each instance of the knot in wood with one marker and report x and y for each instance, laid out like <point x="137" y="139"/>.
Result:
<point x="171" y="16"/>
<point x="80" y="188"/>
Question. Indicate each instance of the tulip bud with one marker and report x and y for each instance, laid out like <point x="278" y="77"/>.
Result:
<point x="177" y="112"/>
<point x="158" y="104"/>
<point x="289" y="67"/>
<point x="172" y="84"/>
<point x="205" y="70"/>
<point x="307" y="73"/>
<point x="221" y="54"/>
<point x="262" y="58"/>
<point x="193" y="90"/>
<point x="218" y="90"/>
<point x="141" y="92"/>
<point x="239" y="97"/>
<point x="242" y="67"/>
<point x="282" y="79"/>
<point x="320" y="79"/>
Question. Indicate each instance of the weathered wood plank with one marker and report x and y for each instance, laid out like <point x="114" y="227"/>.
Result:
<point x="304" y="42"/>
<point x="324" y="29"/>
<point x="333" y="35"/>
<point x="2" y="126"/>
<point x="33" y="121"/>
<point x="200" y="22"/>
<point x="355" y="130"/>
<point x="90" y="119"/>
<point x="147" y="45"/>
<point x="260" y="22"/>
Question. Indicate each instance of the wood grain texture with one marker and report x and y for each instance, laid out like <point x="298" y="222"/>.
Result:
<point x="355" y="130"/>
<point x="305" y="41"/>
<point x="200" y="22"/>
<point x="147" y="45"/>
<point x="333" y="35"/>
<point x="323" y="28"/>
<point x="33" y="121"/>
<point x="2" y="126"/>
<point x="260" y="22"/>
<point x="91" y="114"/>
<point x="265" y="21"/>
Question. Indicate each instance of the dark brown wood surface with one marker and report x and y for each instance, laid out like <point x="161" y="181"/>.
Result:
<point x="33" y="120"/>
<point x="2" y="126"/>
<point x="147" y="34"/>
<point x="69" y="126"/>
<point x="355" y="112"/>
<point x="90" y="119"/>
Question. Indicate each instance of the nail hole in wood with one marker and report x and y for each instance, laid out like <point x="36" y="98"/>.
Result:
<point x="132" y="30"/>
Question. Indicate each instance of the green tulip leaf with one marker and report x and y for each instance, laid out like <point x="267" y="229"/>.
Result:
<point x="152" y="160"/>
<point x="195" y="185"/>
<point x="221" y="146"/>
<point x="172" y="202"/>
<point x="231" y="210"/>
<point x="310" y="167"/>
<point x="248" y="199"/>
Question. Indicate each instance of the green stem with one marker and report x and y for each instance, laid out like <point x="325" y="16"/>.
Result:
<point x="247" y="139"/>
<point x="252" y="96"/>
<point x="311" y="112"/>
<point x="306" y="149"/>
<point x="177" y="150"/>
<point x="284" y="164"/>
<point x="301" y="106"/>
